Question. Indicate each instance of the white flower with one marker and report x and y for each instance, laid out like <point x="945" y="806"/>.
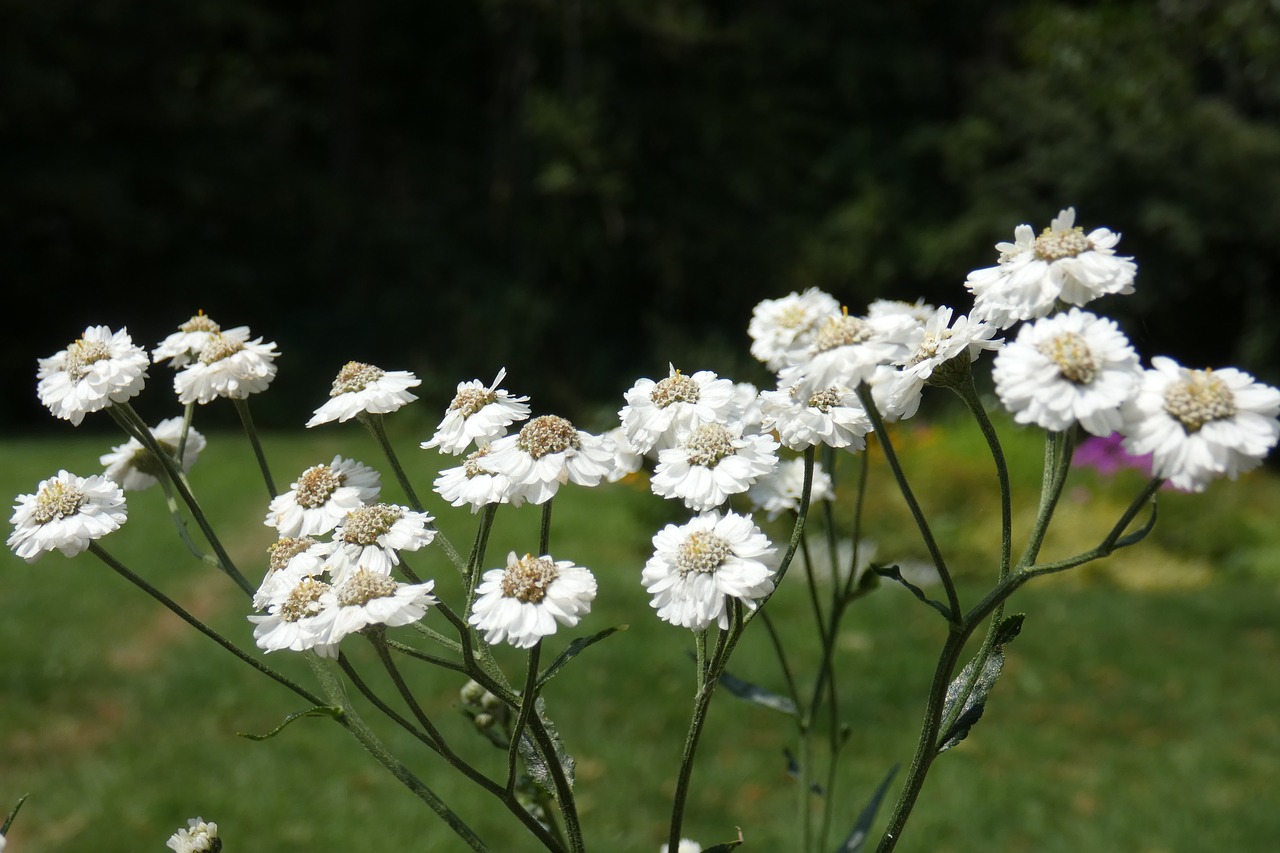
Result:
<point x="522" y="603"/>
<point x="321" y="497"/>
<point x="940" y="340"/>
<point x="833" y="417"/>
<point x="716" y="461"/>
<point x="782" y="327"/>
<point x="1200" y="424"/>
<point x="780" y="490"/>
<point x="547" y="452"/>
<point x="229" y="365"/>
<point x="626" y="459"/>
<point x="697" y="567"/>
<point x="364" y="388"/>
<point x="186" y="344"/>
<point x="66" y="513"/>
<point x="99" y="368"/>
<point x="135" y="468"/>
<point x="1070" y="368"/>
<point x="473" y="482"/>
<point x="920" y="311"/>
<point x="847" y="350"/>
<point x="198" y="837"/>
<point x="299" y="618"/>
<point x="662" y="414"/>
<point x="371" y="598"/>
<point x="372" y="537"/>
<point x="1062" y="264"/>
<point x="292" y="559"/>
<point x="477" y="414"/>
<point x="686" y="846"/>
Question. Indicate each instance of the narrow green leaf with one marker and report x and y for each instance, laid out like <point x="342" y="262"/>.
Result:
<point x="573" y="650"/>
<point x="8" y="822"/>
<point x="894" y="573"/>
<point x="538" y="770"/>
<point x="793" y="770"/>
<point x="978" y="683"/>
<point x="1141" y="533"/>
<point x="754" y="693"/>
<point x="862" y="826"/>
<point x="725" y="846"/>
<point x="332" y="711"/>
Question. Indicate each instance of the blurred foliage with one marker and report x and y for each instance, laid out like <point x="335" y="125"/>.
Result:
<point x="584" y="191"/>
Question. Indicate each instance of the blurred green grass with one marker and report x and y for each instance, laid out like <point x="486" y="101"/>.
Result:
<point x="1136" y="712"/>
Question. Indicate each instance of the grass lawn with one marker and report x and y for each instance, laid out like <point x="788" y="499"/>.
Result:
<point x="1136" y="712"/>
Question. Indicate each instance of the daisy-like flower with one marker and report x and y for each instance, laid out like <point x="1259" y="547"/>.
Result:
<point x="99" y="368"/>
<point x="847" y="349"/>
<point x="298" y="619"/>
<point x="135" y="468"/>
<point x="714" y="462"/>
<point x="372" y="537"/>
<point x="920" y="311"/>
<point x="833" y="417"/>
<point x="186" y="344"/>
<point x="321" y="497"/>
<point x="371" y="598"/>
<point x="364" y="388"/>
<point x="292" y="558"/>
<point x="1062" y="264"/>
<point x="473" y="482"/>
<point x="780" y="490"/>
<point x="626" y="459"/>
<point x="698" y="566"/>
<point x="477" y="414"/>
<point x="940" y="342"/>
<point x="662" y="414"/>
<point x="781" y="327"/>
<point x="1200" y="424"/>
<point x="1070" y="368"/>
<point x="229" y="365"/>
<point x="200" y="836"/>
<point x="66" y="513"/>
<point x="547" y="452"/>
<point x="522" y="603"/>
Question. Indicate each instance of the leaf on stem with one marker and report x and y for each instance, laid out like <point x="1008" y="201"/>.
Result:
<point x="862" y="826"/>
<point x="972" y="686"/>
<point x="894" y="573"/>
<point x="8" y="822"/>
<point x="331" y="711"/>
<point x="726" y="846"/>
<point x="534" y="763"/>
<point x="754" y="693"/>
<point x="573" y="650"/>
<point x="793" y="770"/>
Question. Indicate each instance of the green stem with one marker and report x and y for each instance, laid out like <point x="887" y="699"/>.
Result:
<point x="242" y="408"/>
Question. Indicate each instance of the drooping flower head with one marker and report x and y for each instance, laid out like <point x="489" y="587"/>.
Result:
<point x="523" y="603"/>
<point x="1073" y="367"/>
<point x="1063" y="264"/>
<point x="99" y="368"/>
<point x="1200" y="424"/>
<point x="66" y="513"/>
<point x="229" y="365"/>
<point x="186" y="344"/>
<point x="361" y="388"/>
<point x="477" y="415"/>
<point x="698" y="566"/>
<point x="135" y="468"/>
<point x="716" y="460"/>
<point x="321" y="497"/>
<point x="662" y="414"/>
<point x="548" y="452"/>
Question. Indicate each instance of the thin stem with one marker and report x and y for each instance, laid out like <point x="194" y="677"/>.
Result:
<point x="969" y="393"/>
<point x="1059" y="447"/>
<point x="242" y="408"/>
<point x="99" y="552"/>
<point x="953" y="600"/>
<point x="528" y="697"/>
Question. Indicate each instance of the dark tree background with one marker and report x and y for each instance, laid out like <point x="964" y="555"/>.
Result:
<point x="585" y="190"/>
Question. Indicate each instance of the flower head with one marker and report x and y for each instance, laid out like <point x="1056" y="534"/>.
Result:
<point x="781" y="328"/>
<point x="364" y="388"/>
<point x="698" y="566"/>
<point x="134" y="467"/>
<point x="473" y="482"/>
<point x="66" y="513"/>
<point x="1200" y="424"/>
<point x="940" y="345"/>
<point x="372" y="537"/>
<point x="781" y="490"/>
<point x="714" y="462"/>
<point x="847" y="349"/>
<point x="1070" y="368"/>
<point x="832" y="417"/>
<point x="371" y="598"/>
<point x="522" y="603"/>
<point x="547" y="452"/>
<point x="1063" y="264"/>
<point x="299" y="618"/>
<point x="199" y="837"/>
<point x="662" y="414"/>
<point x="229" y="365"/>
<point x="321" y="497"/>
<point x="477" y="414"/>
<point x="186" y="344"/>
<point x="99" y="368"/>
